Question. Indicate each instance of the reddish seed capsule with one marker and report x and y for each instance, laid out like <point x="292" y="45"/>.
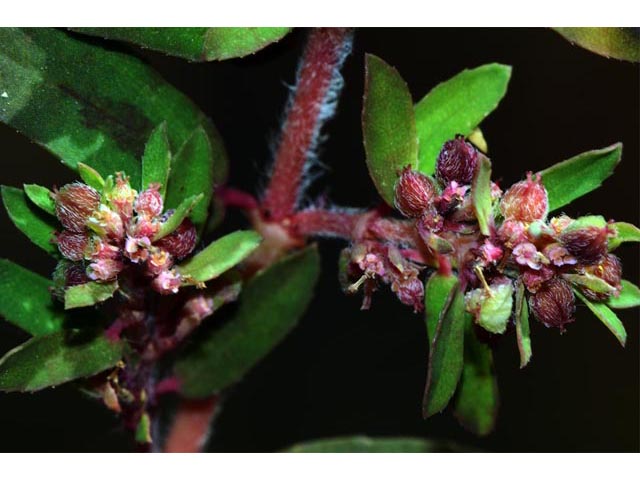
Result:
<point x="414" y="193"/>
<point x="588" y="245"/>
<point x="72" y="245"/>
<point x="181" y="241"/>
<point x="149" y="202"/>
<point x="610" y="270"/>
<point x="457" y="162"/>
<point x="554" y="304"/>
<point x="75" y="203"/>
<point x="526" y="201"/>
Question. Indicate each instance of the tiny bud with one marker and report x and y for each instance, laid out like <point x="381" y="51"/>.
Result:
<point x="610" y="270"/>
<point x="75" y="203"/>
<point x="534" y="279"/>
<point x="527" y="254"/>
<point x="122" y="196"/>
<point x="72" y="245"/>
<point x="414" y="193"/>
<point x="558" y="255"/>
<point x="149" y="202"/>
<point x="526" y="201"/>
<point x="104" y="269"/>
<point x="457" y="162"/>
<point x="586" y="239"/>
<point x="167" y="282"/>
<point x="492" y="307"/>
<point x="159" y="261"/>
<point x="410" y="292"/>
<point x="181" y="241"/>
<point x="554" y="304"/>
<point x="106" y="222"/>
<point x="512" y="232"/>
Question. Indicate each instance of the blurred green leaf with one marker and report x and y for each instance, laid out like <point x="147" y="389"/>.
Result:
<point x="90" y="176"/>
<point x="625" y="232"/>
<point x="34" y="223"/>
<point x="457" y="106"/>
<point x="481" y="195"/>
<point x="606" y="316"/>
<point x="579" y="175"/>
<point x="220" y="256"/>
<point x="143" y="430"/>
<point x="436" y="293"/>
<point x="620" y="43"/>
<point x="41" y="197"/>
<point x="629" y="296"/>
<point x="362" y="444"/>
<point x="200" y="44"/>
<point x="156" y="161"/>
<point x="178" y="216"/>
<point x="522" y="326"/>
<point x="25" y="300"/>
<point x="388" y="125"/>
<point x="88" y="294"/>
<point x="269" y="308"/>
<point x="55" y="359"/>
<point x="88" y="104"/>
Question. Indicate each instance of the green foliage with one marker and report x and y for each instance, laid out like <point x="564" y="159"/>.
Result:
<point x="41" y="197"/>
<point x="362" y="444"/>
<point x="199" y="44"/>
<point x="178" y="216"/>
<point x="522" y="326"/>
<point x="481" y="195"/>
<point x="625" y="232"/>
<point x="388" y="125"/>
<point x="88" y="294"/>
<point x="156" y="161"/>
<point x="591" y="282"/>
<point x="457" y="106"/>
<point x="91" y="177"/>
<point x="436" y="293"/>
<point x="615" y="42"/>
<point x="606" y="316"/>
<point x="269" y="308"/>
<point x="629" y="297"/>
<point x="55" y="359"/>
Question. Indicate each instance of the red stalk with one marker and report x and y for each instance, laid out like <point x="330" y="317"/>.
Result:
<point x="191" y="425"/>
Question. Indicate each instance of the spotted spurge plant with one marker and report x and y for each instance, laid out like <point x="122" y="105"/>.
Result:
<point x="135" y="276"/>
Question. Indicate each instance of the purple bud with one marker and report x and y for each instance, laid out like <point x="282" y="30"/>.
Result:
<point x="554" y="304"/>
<point x="72" y="245"/>
<point x="75" y="203"/>
<point x="414" y="193"/>
<point x="588" y="245"/>
<point x="181" y="241"/>
<point x="610" y="270"/>
<point x="457" y="162"/>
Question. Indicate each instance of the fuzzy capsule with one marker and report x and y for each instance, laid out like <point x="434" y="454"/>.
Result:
<point x="526" y="201"/>
<point x="609" y="270"/>
<point x="72" y="245"/>
<point x="457" y="162"/>
<point x="414" y="193"/>
<point x="181" y="241"/>
<point x="588" y="245"/>
<point x="554" y="304"/>
<point x="75" y="203"/>
<point x="149" y="202"/>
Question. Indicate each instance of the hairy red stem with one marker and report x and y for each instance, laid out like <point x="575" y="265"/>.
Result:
<point x="191" y="425"/>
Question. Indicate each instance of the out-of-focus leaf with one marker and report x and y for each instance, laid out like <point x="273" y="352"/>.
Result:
<point x="269" y="307"/>
<point x="25" y="300"/>
<point x="446" y="355"/>
<point x="522" y="326"/>
<point x="457" y="106"/>
<point x="481" y="195"/>
<point x="625" y="232"/>
<point x="622" y="43"/>
<point x="220" y="256"/>
<point x="41" y="197"/>
<point x="156" y="161"/>
<point x="362" y="444"/>
<point x="35" y="224"/>
<point x="88" y="104"/>
<point x="629" y="296"/>
<point x="88" y="294"/>
<point x="178" y="216"/>
<point x="90" y="176"/>
<point x="388" y="126"/>
<point x="579" y="175"/>
<point x="143" y="430"/>
<point x="606" y="316"/>
<point x="55" y="359"/>
<point x="436" y="293"/>
<point x="200" y="44"/>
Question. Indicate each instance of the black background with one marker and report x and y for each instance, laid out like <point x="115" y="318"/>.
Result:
<point x="344" y="371"/>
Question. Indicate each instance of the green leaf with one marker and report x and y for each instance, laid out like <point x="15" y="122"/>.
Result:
<point x="591" y="282"/>
<point x="629" y="296"/>
<point x="579" y="175"/>
<point x="90" y="176"/>
<point x="192" y="174"/>
<point x="606" y="316"/>
<point x="143" y="430"/>
<point x="88" y="294"/>
<point x="25" y="300"/>
<point x="476" y="405"/>
<point x="35" y="224"/>
<point x="619" y="43"/>
<point x="178" y="216"/>
<point x="195" y="43"/>
<point x="220" y="256"/>
<point x="41" y="197"/>
<point x="85" y="103"/>
<point x="481" y="195"/>
<point x="446" y="355"/>
<point x="269" y="308"/>
<point x="625" y="232"/>
<point x="156" y="161"/>
<point x="362" y="444"/>
<point x="436" y="293"/>
<point x="522" y="326"/>
<point x="388" y="126"/>
<point x="457" y="106"/>
<point x="55" y="359"/>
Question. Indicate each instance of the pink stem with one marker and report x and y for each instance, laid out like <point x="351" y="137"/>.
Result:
<point x="191" y="424"/>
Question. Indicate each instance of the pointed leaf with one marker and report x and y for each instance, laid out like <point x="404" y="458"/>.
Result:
<point x="35" y="224"/>
<point x="457" y="106"/>
<point x="220" y="256"/>
<point x="55" y="359"/>
<point x="591" y="282"/>
<point x="178" y="216"/>
<point x="25" y="300"/>
<point x="269" y="308"/>
<point x="362" y="444"/>
<point x="90" y="176"/>
<point x="388" y="126"/>
<point x="615" y="42"/>
<point x="156" y="161"/>
<point x="522" y="326"/>
<point x="481" y="195"/>
<point x="195" y="43"/>
<point x="143" y="430"/>
<point x="41" y="197"/>
<point x="88" y="294"/>
<point x="629" y="296"/>
<point x="606" y="316"/>
<point x="436" y="293"/>
<point x="579" y="175"/>
<point x="625" y="232"/>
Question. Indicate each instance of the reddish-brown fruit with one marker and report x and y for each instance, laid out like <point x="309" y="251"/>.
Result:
<point x="554" y="304"/>
<point x="588" y="245"/>
<point x="181" y="241"/>
<point x="414" y="193"/>
<point x="75" y="203"/>
<point x="457" y="162"/>
<point x="526" y="201"/>
<point x="610" y="270"/>
<point x="72" y="245"/>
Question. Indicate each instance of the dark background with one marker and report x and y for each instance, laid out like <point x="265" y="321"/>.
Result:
<point x="344" y="371"/>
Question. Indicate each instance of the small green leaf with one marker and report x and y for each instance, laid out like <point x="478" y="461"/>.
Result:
<point x="629" y="296"/>
<point x="522" y="326"/>
<point x="55" y="359"/>
<point x="143" y="430"/>
<point x="178" y="216"/>
<point x="457" y="106"/>
<point x="591" y="282"/>
<point x="388" y="126"/>
<point x="625" y="232"/>
<point x="88" y="294"/>
<point x="481" y="195"/>
<point x="269" y="308"/>
<point x="35" y="224"/>
<point x="25" y="300"/>
<point x="615" y="42"/>
<point x="436" y="293"/>
<point x="41" y="197"/>
<point x="579" y="175"/>
<point x="606" y="316"/>
<point x="90" y="176"/>
<point x="195" y="43"/>
<point x="220" y="256"/>
<point x="362" y="444"/>
<point x="446" y="355"/>
<point x="491" y="307"/>
<point x="156" y="161"/>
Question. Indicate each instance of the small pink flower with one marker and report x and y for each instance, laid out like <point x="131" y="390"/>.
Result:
<point x="512" y="232"/>
<point x="167" y="282"/>
<point x="104" y="269"/>
<point x="136" y="249"/>
<point x="490" y="252"/>
<point x="527" y="254"/>
<point x="558" y="255"/>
